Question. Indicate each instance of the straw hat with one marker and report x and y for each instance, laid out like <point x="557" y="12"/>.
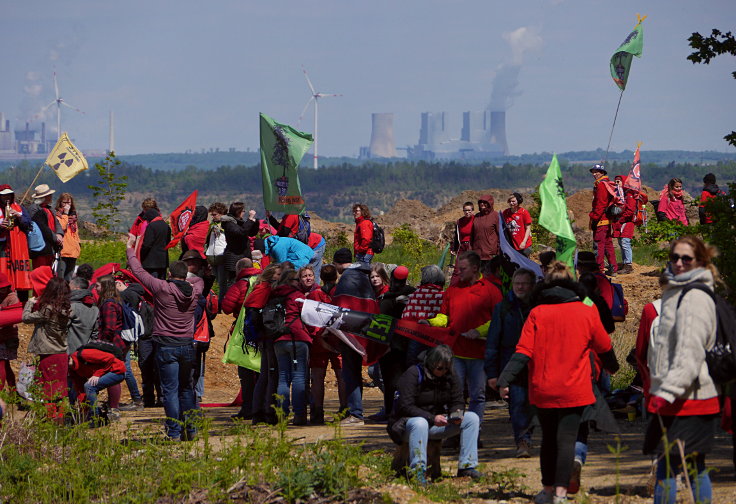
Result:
<point x="42" y="191"/>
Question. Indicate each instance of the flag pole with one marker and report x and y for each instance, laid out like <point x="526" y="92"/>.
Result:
<point x="610" y="136"/>
<point x="43" y="166"/>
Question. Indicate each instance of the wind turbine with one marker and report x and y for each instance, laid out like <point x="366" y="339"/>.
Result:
<point x="59" y="101"/>
<point x="314" y="98"/>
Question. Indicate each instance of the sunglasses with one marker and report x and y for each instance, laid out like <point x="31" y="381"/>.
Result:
<point x="686" y="259"/>
<point x="442" y="368"/>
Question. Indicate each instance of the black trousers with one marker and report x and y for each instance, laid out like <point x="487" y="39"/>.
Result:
<point x="559" y="432"/>
<point x="149" y="372"/>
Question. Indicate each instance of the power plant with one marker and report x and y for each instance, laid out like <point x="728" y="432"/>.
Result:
<point x="25" y="141"/>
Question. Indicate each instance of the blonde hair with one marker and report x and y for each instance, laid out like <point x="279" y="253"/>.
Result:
<point x="556" y="271"/>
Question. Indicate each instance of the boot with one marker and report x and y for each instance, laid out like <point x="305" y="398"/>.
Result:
<point x="317" y="416"/>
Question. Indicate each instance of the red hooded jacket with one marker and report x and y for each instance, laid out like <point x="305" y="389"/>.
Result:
<point x="363" y="236"/>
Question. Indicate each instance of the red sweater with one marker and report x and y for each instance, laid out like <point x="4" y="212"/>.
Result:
<point x="468" y="307"/>
<point x="235" y="296"/>
<point x="258" y="296"/>
<point x="363" y="236"/>
<point x="557" y="339"/>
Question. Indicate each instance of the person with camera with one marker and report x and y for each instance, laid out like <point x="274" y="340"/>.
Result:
<point x="430" y="405"/>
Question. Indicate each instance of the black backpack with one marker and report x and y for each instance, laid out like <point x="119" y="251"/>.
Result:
<point x="379" y="240"/>
<point x="721" y="358"/>
<point x="273" y="318"/>
<point x="305" y="229"/>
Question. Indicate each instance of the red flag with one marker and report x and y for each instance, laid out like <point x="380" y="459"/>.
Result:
<point x="633" y="182"/>
<point x="180" y="218"/>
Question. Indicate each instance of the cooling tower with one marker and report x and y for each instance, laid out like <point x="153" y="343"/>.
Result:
<point x="433" y="132"/>
<point x="498" y="131"/>
<point x="475" y="127"/>
<point x="382" y="136"/>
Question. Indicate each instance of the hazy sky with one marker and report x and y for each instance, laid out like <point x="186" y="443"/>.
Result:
<point x="188" y="75"/>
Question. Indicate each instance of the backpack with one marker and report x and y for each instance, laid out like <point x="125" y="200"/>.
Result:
<point x="379" y="240"/>
<point x="273" y="318"/>
<point x="721" y="359"/>
<point x="133" y="327"/>
<point x="620" y="307"/>
<point x="305" y="229"/>
<point x="104" y="346"/>
<point x="146" y="312"/>
<point x="36" y="242"/>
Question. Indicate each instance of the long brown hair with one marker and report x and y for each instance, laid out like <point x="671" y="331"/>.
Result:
<point x="107" y="289"/>
<point x="364" y="211"/>
<point x="56" y="297"/>
<point x="62" y="197"/>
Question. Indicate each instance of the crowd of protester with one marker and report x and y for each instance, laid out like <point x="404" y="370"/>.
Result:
<point x="540" y="341"/>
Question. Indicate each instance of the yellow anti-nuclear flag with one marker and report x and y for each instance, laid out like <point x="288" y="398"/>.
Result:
<point x="66" y="160"/>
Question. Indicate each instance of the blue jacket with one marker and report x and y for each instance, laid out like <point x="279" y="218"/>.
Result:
<point x="288" y="249"/>
<point x="508" y="319"/>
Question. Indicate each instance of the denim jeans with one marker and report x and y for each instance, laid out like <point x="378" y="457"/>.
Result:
<point x="418" y="433"/>
<point x="352" y="375"/>
<point x="293" y="361"/>
<point x="364" y="258"/>
<point x="627" y="256"/>
<point x="316" y="261"/>
<point x="130" y="381"/>
<point x="176" y="370"/>
<point x="519" y="411"/>
<point x="665" y="491"/>
<point x="105" y="381"/>
<point x="470" y="372"/>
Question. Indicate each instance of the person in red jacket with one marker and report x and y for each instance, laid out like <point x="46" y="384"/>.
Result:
<point x="246" y="277"/>
<point x="466" y="309"/>
<point x="600" y="224"/>
<point x="292" y="349"/>
<point x="554" y="345"/>
<point x="11" y="314"/>
<point x="363" y="235"/>
<point x="91" y="371"/>
<point x="265" y="388"/>
<point x="710" y="191"/>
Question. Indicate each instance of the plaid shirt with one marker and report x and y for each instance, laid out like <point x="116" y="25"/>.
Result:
<point x="111" y="324"/>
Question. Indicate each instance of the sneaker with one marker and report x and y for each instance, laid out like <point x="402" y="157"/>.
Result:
<point x="134" y="406"/>
<point x="543" y="498"/>
<point x="469" y="472"/>
<point x="380" y="417"/>
<point x="113" y="415"/>
<point x="627" y="269"/>
<point x="351" y="421"/>
<point x="522" y="449"/>
<point x="559" y="500"/>
<point x="574" y="486"/>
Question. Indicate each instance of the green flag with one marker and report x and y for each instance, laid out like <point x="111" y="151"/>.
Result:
<point x="621" y="59"/>
<point x="282" y="149"/>
<point x="553" y="214"/>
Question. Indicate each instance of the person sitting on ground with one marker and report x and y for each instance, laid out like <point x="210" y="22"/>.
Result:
<point x="430" y="405"/>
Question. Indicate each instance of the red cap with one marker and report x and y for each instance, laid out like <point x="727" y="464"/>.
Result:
<point x="4" y="282"/>
<point x="401" y="272"/>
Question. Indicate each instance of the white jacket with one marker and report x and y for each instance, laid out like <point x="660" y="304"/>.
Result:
<point x="676" y="355"/>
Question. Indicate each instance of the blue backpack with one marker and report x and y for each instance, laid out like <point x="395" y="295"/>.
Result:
<point x="36" y="242"/>
<point x="133" y="327"/>
<point x="305" y="229"/>
<point x="620" y="307"/>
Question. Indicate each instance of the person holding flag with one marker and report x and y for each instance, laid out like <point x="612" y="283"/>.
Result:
<point x="553" y="214"/>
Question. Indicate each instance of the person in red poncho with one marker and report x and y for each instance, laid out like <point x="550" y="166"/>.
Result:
<point x="195" y="237"/>
<point x="15" y="260"/>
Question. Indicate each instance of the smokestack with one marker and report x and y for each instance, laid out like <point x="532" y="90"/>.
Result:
<point x="498" y="131"/>
<point x="43" y="134"/>
<point x="382" y="136"/>
<point x="2" y="122"/>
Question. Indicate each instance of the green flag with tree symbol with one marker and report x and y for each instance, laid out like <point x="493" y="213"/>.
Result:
<point x="553" y="214"/>
<point x="621" y="59"/>
<point x="282" y="149"/>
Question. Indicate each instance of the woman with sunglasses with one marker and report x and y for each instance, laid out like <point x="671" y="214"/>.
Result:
<point x="682" y="395"/>
<point x="430" y="405"/>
